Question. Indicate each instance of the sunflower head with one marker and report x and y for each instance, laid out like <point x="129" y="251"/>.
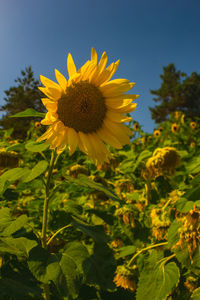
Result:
<point x="37" y="125"/>
<point x="8" y="159"/>
<point x="193" y="125"/>
<point x="177" y="114"/>
<point x="88" y="110"/>
<point x="163" y="161"/>
<point x="175" y="128"/>
<point x="136" y="126"/>
<point x="77" y="169"/>
<point x="126" y="277"/>
<point x="156" y="133"/>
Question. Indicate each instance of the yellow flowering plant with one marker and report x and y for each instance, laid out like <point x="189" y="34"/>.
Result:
<point x="89" y="211"/>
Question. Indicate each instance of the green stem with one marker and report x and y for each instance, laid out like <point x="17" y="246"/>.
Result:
<point x="166" y="204"/>
<point x="144" y="249"/>
<point x="148" y="185"/>
<point x="46" y="200"/>
<point x="45" y="216"/>
<point x="58" y="231"/>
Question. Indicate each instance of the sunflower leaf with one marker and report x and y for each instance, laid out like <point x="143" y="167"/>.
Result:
<point x="30" y="112"/>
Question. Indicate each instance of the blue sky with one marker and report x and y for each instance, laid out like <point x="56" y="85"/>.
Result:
<point x="145" y="35"/>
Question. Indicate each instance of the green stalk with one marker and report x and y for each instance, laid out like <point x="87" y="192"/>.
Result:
<point x="45" y="216"/>
<point x="46" y="200"/>
<point x="144" y="249"/>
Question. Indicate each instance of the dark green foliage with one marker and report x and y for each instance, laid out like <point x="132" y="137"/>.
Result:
<point x="25" y="94"/>
<point x="178" y="92"/>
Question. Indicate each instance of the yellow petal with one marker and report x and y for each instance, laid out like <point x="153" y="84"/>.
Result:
<point x="113" y="70"/>
<point x="102" y="62"/>
<point x="56" y="93"/>
<point x="89" y="72"/>
<point x="114" y="82"/>
<point x="101" y="152"/>
<point x="61" y="79"/>
<point x="115" y="89"/>
<point x="50" y="105"/>
<point x="48" y="83"/>
<point x="71" y="65"/>
<point x="126" y="129"/>
<point x="126" y="108"/>
<point x="105" y="74"/>
<point x="117" y="131"/>
<point x="121" y="100"/>
<point x="49" y="119"/>
<point x="94" y="56"/>
<point x="64" y="139"/>
<point x="110" y="139"/>
<point x="46" y="92"/>
<point x="117" y="117"/>
<point x="72" y="140"/>
<point x="46" y="135"/>
<point x="86" y="143"/>
<point x="74" y="78"/>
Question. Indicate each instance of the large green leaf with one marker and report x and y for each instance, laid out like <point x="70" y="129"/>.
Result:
<point x="183" y="205"/>
<point x="143" y="155"/>
<point x="17" y="246"/>
<point x="15" y="147"/>
<point x="65" y="269"/>
<point x="29" y="112"/>
<point x="102" y="266"/>
<point x="36" y="146"/>
<point x="193" y="166"/>
<point x="37" y="171"/>
<point x="125" y="251"/>
<point x="157" y="281"/>
<point x="83" y="180"/>
<point x="11" y="176"/>
<point x="8" y="225"/>
<point x="173" y="235"/>
<point x="97" y="232"/>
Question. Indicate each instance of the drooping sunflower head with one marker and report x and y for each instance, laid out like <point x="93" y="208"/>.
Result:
<point x="163" y="161"/>
<point x="126" y="277"/>
<point x="88" y="109"/>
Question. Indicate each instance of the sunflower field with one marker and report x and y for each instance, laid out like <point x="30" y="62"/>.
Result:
<point x="91" y="222"/>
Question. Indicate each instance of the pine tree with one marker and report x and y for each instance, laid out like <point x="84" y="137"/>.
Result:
<point x="18" y="98"/>
<point x="178" y="92"/>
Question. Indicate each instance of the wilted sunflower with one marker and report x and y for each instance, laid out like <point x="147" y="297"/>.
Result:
<point x="126" y="277"/>
<point x="88" y="109"/>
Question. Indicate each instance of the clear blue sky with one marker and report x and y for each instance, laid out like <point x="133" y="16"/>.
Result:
<point x="145" y="35"/>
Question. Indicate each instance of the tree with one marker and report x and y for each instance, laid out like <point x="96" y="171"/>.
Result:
<point x="178" y="92"/>
<point x="18" y="98"/>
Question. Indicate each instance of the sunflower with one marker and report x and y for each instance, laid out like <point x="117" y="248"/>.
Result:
<point x="193" y="125"/>
<point x="37" y="125"/>
<point x="126" y="277"/>
<point x="175" y="128"/>
<point x="88" y="110"/>
<point x="136" y="126"/>
<point x="156" y="132"/>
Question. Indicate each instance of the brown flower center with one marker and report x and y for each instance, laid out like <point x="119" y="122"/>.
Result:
<point x="82" y="107"/>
